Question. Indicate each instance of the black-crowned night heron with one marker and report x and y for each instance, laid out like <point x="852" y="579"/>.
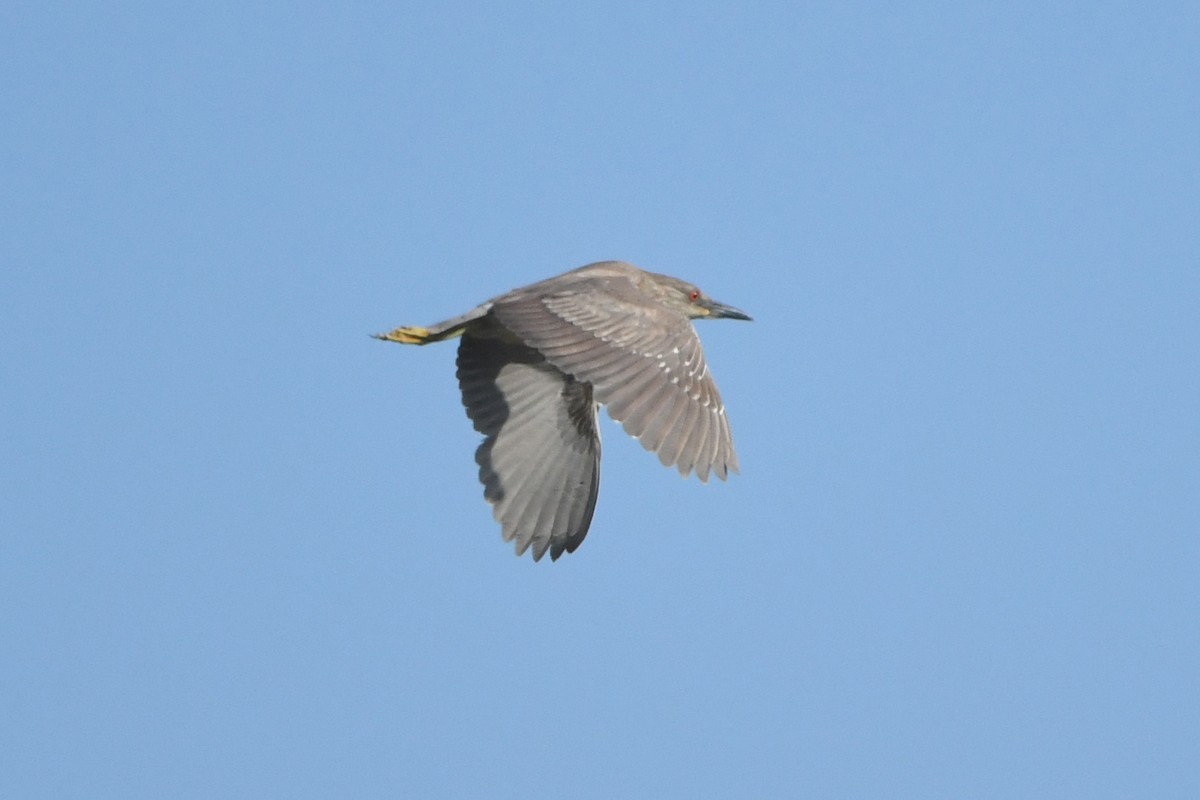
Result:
<point x="535" y="364"/>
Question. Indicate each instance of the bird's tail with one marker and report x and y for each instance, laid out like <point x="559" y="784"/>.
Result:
<point x="410" y="334"/>
<point x="414" y="334"/>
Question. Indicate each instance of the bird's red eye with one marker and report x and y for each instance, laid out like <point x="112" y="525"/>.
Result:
<point x="694" y="295"/>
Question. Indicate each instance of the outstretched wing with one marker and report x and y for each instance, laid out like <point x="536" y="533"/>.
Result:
<point x="540" y="460"/>
<point x="645" y="362"/>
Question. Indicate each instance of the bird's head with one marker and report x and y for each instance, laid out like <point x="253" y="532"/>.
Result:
<point x="694" y="303"/>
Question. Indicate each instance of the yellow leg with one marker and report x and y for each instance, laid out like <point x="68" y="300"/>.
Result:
<point x="407" y="335"/>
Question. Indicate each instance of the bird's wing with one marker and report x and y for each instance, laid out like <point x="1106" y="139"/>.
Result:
<point x="645" y="363"/>
<point x="540" y="460"/>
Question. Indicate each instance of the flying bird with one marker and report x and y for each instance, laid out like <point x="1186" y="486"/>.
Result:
<point x="535" y="364"/>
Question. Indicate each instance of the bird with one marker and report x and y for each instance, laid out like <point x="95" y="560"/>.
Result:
<point x="534" y="366"/>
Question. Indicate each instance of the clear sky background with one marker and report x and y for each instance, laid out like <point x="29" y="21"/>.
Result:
<point x="244" y="549"/>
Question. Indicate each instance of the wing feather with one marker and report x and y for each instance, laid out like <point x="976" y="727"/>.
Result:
<point x="644" y="362"/>
<point x="539" y="461"/>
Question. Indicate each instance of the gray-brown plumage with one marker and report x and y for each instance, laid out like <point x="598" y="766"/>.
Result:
<point x="535" y="364"/>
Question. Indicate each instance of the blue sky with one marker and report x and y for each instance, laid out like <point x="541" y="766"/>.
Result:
<point x="244" y="550"/>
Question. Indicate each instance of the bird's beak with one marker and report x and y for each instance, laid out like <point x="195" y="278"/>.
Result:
<point x="721" y="311"/>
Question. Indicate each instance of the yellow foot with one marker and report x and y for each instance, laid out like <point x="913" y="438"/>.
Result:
<point x="407" y="335"/>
